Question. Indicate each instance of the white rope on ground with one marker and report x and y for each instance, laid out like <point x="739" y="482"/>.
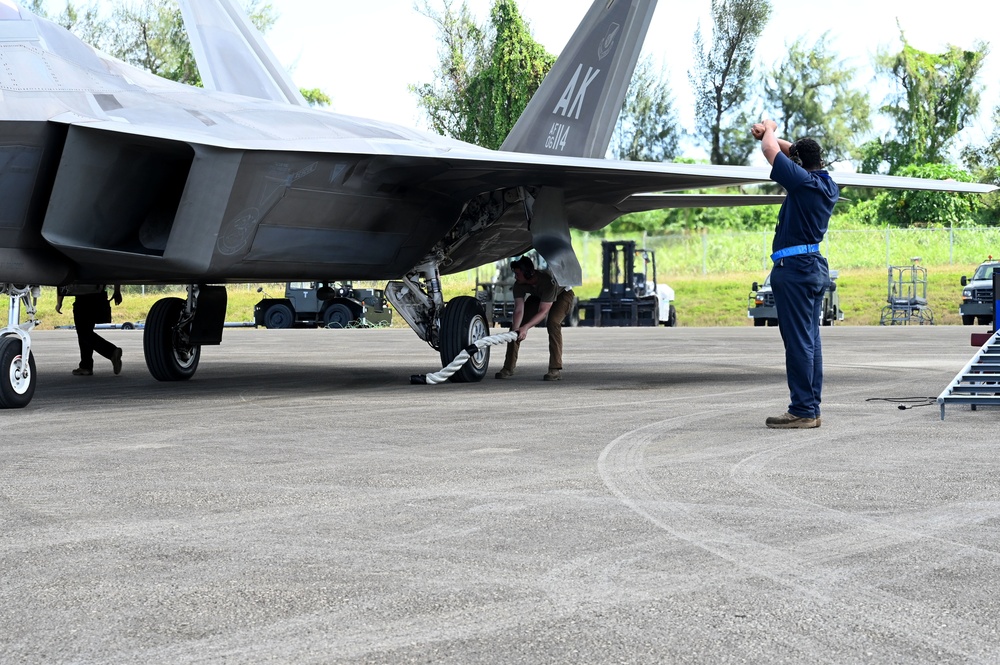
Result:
<point x="463" y="356"/>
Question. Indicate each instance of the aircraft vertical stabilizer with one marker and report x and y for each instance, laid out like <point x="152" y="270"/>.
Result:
<point x="232" y="55"/>
<point x="574" y="111"/>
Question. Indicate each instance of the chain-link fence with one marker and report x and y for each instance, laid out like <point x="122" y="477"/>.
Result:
<point x="722" y="252"/>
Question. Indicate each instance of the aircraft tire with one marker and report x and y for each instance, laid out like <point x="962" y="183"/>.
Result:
<point x="337" y="315"/>
<point x="166" y="358"/>
<point x="464" y="321"/>
<point x="16" y="387"/>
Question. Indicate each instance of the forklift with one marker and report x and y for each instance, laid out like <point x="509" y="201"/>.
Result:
<point x="630" y="295"/>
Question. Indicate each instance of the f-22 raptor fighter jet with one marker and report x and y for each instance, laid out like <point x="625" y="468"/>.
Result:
<point x="109" y="174"/>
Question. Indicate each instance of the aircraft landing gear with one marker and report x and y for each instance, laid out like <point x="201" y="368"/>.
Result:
<point x="17" y="378"/>
<point x="177" y="329"/>
<point x="447" y="328"/>
<point x="170" y="356"/>
<point x="464" y="322"/>
<point x="17" y="364"/>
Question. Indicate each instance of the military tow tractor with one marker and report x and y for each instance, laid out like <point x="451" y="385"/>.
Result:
<point x="630" y="295"/>
<point x="323" y="304"/>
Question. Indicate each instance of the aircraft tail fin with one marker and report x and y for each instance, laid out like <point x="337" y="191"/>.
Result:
<point x="574" y="111"/>
<point x="232" y="55"/>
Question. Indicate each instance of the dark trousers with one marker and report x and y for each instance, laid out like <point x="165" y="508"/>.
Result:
<point x="553" y="323"/>
<point x="798" y="283"/>
<point x="88" y="310"/>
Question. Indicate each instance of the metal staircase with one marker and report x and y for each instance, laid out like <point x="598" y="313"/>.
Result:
<point x="979" y="381"/>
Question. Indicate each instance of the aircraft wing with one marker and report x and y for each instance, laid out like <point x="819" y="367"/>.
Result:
<point x="645" y="202"/>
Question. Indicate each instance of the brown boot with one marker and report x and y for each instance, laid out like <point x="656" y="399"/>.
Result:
<point x="505" y="373"/>
<point x="788" y="421"/>
<point x="553" y="375"/>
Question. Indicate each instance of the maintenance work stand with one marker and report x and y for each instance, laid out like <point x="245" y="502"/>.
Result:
<point x="907" y="296"/>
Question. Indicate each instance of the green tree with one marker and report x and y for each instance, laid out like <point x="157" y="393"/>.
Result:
<point x="315" y="96"/>
<point x="722" y="77"/>
<point x="984" y="160"/>
<point x="460" y="47"/>
<point x="151" y="35"/>
<point x="486" y="75"/>
<point x="903" y="207"/>
<point x="647" y="128"/>
<point x="810" y="94"/>
<point x="514" y="69"/>
<point x="934" y="97"/>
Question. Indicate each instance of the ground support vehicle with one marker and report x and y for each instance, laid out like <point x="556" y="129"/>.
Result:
<point x="323" y="304"/>
<point x="977" y="294"/>
<point x="630" y="295"/>
<point x="763" y="312"/>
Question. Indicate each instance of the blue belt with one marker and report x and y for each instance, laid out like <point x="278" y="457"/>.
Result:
<point x="792" y="251"/>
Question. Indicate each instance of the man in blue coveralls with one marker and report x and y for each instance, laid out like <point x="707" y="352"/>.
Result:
<point x="800" y="274"/>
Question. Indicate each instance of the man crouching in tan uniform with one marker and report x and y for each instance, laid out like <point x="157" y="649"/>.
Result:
<point x="545" y="299"/>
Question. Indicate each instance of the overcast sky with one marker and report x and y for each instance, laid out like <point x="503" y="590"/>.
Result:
<point x="365" y="53"/>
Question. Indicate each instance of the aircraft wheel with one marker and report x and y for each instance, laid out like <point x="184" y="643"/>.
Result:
<point x="167" y="356"/>
<point x="279" y="315"/>
<point x="17" y="381"/>
<point x="463" y="322"/>
<point x="337" y="315"/>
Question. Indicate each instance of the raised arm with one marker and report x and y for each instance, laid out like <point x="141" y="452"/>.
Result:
<point x="769" y="142"/>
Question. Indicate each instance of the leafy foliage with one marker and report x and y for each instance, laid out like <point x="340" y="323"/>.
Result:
<point x="500" y="90"/>
<point x="461" y="43"/>
<point x="487" y="74"/>
<point x="936" y="95"/>
<point x="722" y="75"/>
<point x="902" y="207"/>
<point x="647" y="129"/>
<point x="810" y="94"/>
<point x="315" y="96"/>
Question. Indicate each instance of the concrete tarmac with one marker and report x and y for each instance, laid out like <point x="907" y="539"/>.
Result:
<point x="298" y="501"/>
